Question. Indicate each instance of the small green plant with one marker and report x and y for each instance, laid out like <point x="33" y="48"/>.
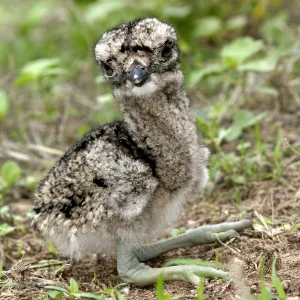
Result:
<point x="236" y="199"/>
<point x="6" y="229"/>
<point x="240" y="165"/>
<point x="176" y="232"/>
<point x="241" y="55"/>
<point x="265" y="293"/>
<point x="242" y="119"/>
<point x="160" y="289"/>
<point x="114" y="292"/>
<point x="51" y="248"/>
<point x="277" y="158"/>
<point x="160" y="295"/>
<point x="20" y="248"/>
<point x="276" y="282"/>
<point x="9" y="173"/>
<point x="4" y="104"/>
<point x="39" y="69"/>
<point x="57" y="292"/>
<point x="201" y="289"/>
<point x="1" y="269"/>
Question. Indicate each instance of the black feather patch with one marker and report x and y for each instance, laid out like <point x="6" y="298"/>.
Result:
<point x="100" y="182"/>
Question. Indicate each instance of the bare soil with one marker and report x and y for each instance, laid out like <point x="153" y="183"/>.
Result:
<point x="280" y="203"/>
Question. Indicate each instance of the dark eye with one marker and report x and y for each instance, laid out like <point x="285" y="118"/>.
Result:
<point x="109" y="71"/>
<point x="167" y="50"/>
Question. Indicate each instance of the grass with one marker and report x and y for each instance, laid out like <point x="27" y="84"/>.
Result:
<point x="265" y="293"/>
<point x="242" y="68"/>
<point x="73" y="291"/>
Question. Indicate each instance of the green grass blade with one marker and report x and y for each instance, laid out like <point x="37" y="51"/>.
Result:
<point x="56" y="288"/>
<point x="73" y="287"/>
<point x="90" y="296"/>
<point x="201" y="289"/>
<point x="1" y="268"/>
<point x="276" y="282"/>
<point x="160" y="289"/>
<point x="262" y="285"/>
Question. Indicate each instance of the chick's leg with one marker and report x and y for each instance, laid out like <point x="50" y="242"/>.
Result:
<point x="131" y="269"/>
<point x="202" y="235"/>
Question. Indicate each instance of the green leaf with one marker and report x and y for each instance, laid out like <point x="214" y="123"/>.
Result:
<point x="81" y="130"/>
<point x="204" y="127"/>
<point x="30" y="182"/>
<point x="36" y="69"/>
<point x="230" y="134"/>
<point x="25" y="79"/>
<point x="177" y="11"/>
<point x="4" y="104"/>
<point x="217" y="109"/>
<point x="56" y="288"/>
<point x="236" y="23"/>
<point x="90" y="296"/>
<point x="208" y="26"/>
<point x="265" y="293"/>
<point x="10" y="172"/>
<point x="277" y="155"/>
<point x="242" y="117"/>
<point x="245" y="118"/>
<point x="274" y="30"/>
<point x="4" y="212"/>
<point x="99" y="79"/>
<point x="268" y="91"/>
<point x="1" y="268"/>
<point x="55" y="294"/>
<point x="174" y="232"/>
<point x="243" y="146"/>
<point x="6" y="229"/>
<point x="240" y="179"/>
<point x="101" y="10"/>
<point x="106" y="98"/>
<point x="73" y="287"/>
<point x="237" y="198"/>
<point x="266" y="64"/>
<point x="36" y="13"/>
<point x="39" y="66"/>
<point x="51" y="248"/>
<point x="239" y="50"/>
<point x="197" y="76"/>
<point x="119" y="295"/>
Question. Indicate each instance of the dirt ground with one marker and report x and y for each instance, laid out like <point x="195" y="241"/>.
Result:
<point x="280" y="203"/>
<point x="23" y="252"/>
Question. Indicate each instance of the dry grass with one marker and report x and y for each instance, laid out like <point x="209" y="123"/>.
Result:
<point x="280" y="203"/>
<point x="46" y="116"/>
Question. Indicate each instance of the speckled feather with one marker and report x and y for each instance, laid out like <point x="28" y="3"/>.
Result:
<point x="127" y="180"/>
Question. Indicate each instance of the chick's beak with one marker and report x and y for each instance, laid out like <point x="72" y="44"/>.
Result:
<point x="138" y="74"/>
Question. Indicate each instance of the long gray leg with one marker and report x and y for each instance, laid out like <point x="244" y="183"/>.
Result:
<point x="202" y="235"/>
<point x="131" y="269"/>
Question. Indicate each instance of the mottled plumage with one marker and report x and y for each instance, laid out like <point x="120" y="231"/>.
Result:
<point x="127" y="180"/>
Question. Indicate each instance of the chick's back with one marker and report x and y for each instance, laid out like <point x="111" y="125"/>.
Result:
<point x="101" y="184"/>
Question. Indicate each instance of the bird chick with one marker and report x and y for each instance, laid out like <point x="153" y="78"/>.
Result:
<point x="126" y="182"/>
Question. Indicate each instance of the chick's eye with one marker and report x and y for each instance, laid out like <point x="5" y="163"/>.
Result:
<point x="109" y="71"/>
<point x="167" y="50"/>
